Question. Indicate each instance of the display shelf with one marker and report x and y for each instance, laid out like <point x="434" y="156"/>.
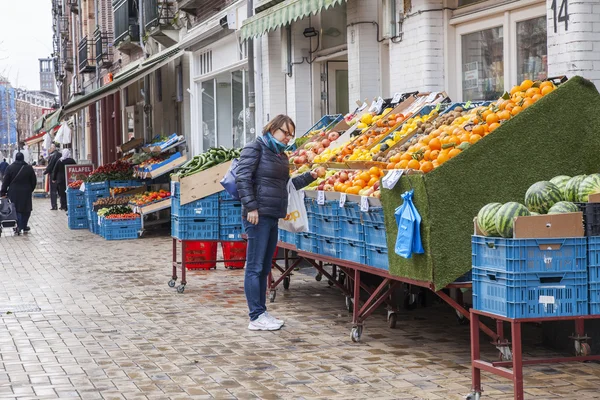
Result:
<point x="153" y="207"/>
<point x="162" y="170"/>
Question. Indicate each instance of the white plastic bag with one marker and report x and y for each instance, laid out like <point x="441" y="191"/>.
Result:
<point x="296" y="219"/>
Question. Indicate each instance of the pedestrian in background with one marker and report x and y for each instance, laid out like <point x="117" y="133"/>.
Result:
<point x="262" y="178"/>
<point x="19" y="183"/>
<point x="53" y="158"/>
<point x="59" y="176"/>
<point x="3" y="166"/>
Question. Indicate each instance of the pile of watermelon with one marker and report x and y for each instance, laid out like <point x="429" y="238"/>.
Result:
<point x="557" y="196"/>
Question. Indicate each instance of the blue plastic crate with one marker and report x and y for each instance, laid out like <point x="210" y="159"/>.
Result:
<point x="329" y="208"/>
<point x="121" y="232"/>
<point x="76" y="210"/>
<point x="224" y="196"/>
<point x="594" y="294"/>
<point x="195" y="228"/>
<point x="75" y="194"/>
<point x="354" y="251"/>
<point x="306" y="241"/>
<point x="530" y="255"/>
<point x="90" y="198"/>
<point x="328" y="226"/>
<point x="375" y="234"/>
<point x="126" y="183"/>
<point x="374" y="215"/>
<point x="594" y="259"/>
<point x="77" y="222"/>
<point x="287" y="237"/>
<point x="351" y="210"/>
<point x="93" y="225"/>
<point x="96" y="186"/>
<point x="376" y="256"/>
<point x="530" y="294"/>
<point x="351" y="229"/>
<point x="205" y="207"/>
<point x="329" y="246"/>
<point x="230" y="213"/>
<point x="175" y="189"/>
<point x="231" y="233"/>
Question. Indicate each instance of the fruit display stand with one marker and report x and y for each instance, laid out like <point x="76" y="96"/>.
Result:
<point x="157" y="170"/>
<point x="151" y="209"/>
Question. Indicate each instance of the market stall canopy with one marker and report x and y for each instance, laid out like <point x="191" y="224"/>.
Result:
<point x="35" y="139"/>
<point x="51" y="121"/>
<point x="38" y="124"/>
<point x="148" y="66"/>
<point x="283" y="14"/>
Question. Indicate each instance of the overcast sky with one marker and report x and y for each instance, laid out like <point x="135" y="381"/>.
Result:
<point x="25" y="36"/>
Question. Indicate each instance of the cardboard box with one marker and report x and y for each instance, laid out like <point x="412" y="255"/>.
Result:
<point x="132" y="144"/>
<point x="202" y="184"/>
<point x="545" y="226"/>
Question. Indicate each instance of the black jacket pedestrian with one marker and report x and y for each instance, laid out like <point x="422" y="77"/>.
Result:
<point x="3" y="167"/>
<point x="262" y="179"/>
<point x="19" y="185"/>
<point x="52" y="160"/>
<point x="58" y="174"/>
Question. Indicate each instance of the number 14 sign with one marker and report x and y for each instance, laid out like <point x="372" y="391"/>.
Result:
<point x="560" y="13"/>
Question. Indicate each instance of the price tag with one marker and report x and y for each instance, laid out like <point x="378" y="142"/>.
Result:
<point x="172" y="188"/>
<point x="364" y="105"/>
<point x="320" y="197"/>
<point x="364" y="203"/>
<point x="391" y="178"/>
<point x="379" y="105"/>
<point x="342" y="200"/>
<point x="373" y="106"/>
<point x="396" y="98"/>
<point x="438" y="106"/>
<point x="99" y="220"/>
<point x="82" y="187"/>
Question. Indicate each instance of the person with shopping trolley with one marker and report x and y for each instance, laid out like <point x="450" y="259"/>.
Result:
<point x="18" y="184"/>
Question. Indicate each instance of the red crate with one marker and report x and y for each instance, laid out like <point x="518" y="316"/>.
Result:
<point x="197" y="252"/>
<point x="234" y="251"/>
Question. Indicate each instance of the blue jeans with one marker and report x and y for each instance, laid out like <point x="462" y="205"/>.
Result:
<point x="23" y="220"/>
<point x="262" y="241"/>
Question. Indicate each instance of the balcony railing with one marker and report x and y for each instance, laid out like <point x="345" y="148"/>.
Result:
<point x="126" y="21"/>
<point x="104" y="47"/>
<point x="158" y="13"/>
<point x="67" y="55"/>
<point x="86" y="60"/>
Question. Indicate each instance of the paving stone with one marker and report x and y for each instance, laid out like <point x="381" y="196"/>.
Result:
<point x="91" y="319"/>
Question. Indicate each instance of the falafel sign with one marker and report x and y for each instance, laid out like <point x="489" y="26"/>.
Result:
<point x="78" y="172"/>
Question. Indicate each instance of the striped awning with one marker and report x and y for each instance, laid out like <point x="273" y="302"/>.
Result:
<point x="35" y="139"/>
<point x="38" y="124"/>
<point x="283" y="14"/>
<point x="51" y="121"/>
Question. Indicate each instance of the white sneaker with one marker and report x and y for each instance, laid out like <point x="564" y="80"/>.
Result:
<point x="263" y="323"/>
<point x="272" y="318"/>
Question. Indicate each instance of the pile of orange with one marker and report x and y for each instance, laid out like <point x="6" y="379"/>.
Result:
<point x="360" y="182"/>
<point x="448" y="141"/>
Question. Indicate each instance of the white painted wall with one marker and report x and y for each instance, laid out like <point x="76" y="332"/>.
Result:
<point x="272" y="78"/>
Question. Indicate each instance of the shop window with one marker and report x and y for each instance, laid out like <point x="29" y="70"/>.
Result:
<point x="483" y="64"/>
<point x="209" y="128"/>
<point x="532" y="50"/>
<point x="333" y="27"/>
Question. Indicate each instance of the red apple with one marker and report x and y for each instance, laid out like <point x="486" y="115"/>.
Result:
<point x="333" y="136"/>
<point x="325" y="142"/>
<point x="343" y="176"/>
<point x="328" y="187"/>
<point x="320" y="150"/>
<point x="302" y="152"/>
<point x="322" y="134"/>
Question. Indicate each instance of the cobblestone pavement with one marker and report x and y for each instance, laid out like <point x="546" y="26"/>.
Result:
<point x="91" y="319"/>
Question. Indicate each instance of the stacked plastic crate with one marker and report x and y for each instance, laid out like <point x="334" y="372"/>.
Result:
<point x="77" y="218"/>
<point x="591" y="217"/>
<point x="375" y="238"/>
<point x="530" y="278"/>
<point x="120" y="229"/>
<point x="197" y="220"/>
<point x="93" y="192"/>
<point x="230" y="218"/>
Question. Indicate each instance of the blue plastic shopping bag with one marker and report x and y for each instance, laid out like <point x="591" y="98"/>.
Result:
<point x="408" y="219"/>
<point x="228" y="181"/>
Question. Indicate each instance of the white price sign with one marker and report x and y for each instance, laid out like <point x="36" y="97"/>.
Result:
<point x="172" y="188"/>
<point x="396" y="98"/>
<point x="342" y="200"/>
<point x="320" y="197"/>
<point x="364" y="203"/>
<point x="391" y="178"/>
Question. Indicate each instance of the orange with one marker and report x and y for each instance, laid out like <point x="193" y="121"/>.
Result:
<point x="395" y="158"/>
<point x="515" y="89"/>
<point x="546" y="84"/>
<point x="492" y="118"/>
<point x="353" y="190"/>
<point x="364" y="176"/>
<point x="527" y="83"/>
<point x="402" y="164"/>
<point x="532" y="92"/>
<point x="509" y="106"/>
<point x="413" y="164"/>
<point x="426" y="166"/>
<point x="372" y="181"/>
<point x="435" y="144"/>
<point x="374" y="171"/>
<point x="406" y="156"/>
<point x="504" y="115"/>
<point x="474" y="139"/>
<point x="527" y="103"/>
<point x="464" y="137"/>
<point x="454" y="139"/>
<point x="494" y="126"/>
<point x="477" y="130"/>
<point x="453" y="153"/>
<point x="360" y="183"/>
<point x="536" y="97"/>
<point x="391" y="165"/>
<point x="486" y="113"/>
<point x="427" y="155"/>
<point x="434" y="154"/>
<point x="516" y="110"/>
<point x="442" y="158"/>
<point x="547" y="89"/>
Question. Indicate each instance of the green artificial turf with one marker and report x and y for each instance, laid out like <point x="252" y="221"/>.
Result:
<point x="559" y="135"/>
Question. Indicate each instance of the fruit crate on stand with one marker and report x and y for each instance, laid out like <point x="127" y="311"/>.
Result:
<point x="120" y="229"/>
<point x="594" y="274"/>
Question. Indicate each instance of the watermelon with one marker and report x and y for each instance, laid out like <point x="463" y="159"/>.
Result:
<point x="505" y="217"/>
<point x="563" y="207"/>
<point x="572" y="188"/>
<point x="532" y="213"/>
<point x="486" y="219"/>
<point x="541" y="196"/>
<point x="590" y="185"/>
<point x="561" y="181"/>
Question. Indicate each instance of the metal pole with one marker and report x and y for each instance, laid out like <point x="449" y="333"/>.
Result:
<point x="251" y="90"/>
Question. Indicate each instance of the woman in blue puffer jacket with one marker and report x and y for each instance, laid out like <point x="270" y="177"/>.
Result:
<point x="262" y="178"/>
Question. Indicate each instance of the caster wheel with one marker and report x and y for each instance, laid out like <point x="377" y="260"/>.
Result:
<point x="286" y="283"/>
<point x="172" y="283"/>
<point x="473" y="396"/>
<point x="180" y="288"/>
<point x="318" y="277"/>
<point x="341" y="279"/>
<point x="272" y="296"/>
<point x="462" y="320"/>
<point x="356" y="333"/>
<point x="410" y="301"/>
<point x="583" y="349"/>
<point x="349" y="305"/>
<point x="392" y="319"/>
<point x="330" y="283"/>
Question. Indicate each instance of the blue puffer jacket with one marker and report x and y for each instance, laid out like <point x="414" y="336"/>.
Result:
<point x="262" y="179"/>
